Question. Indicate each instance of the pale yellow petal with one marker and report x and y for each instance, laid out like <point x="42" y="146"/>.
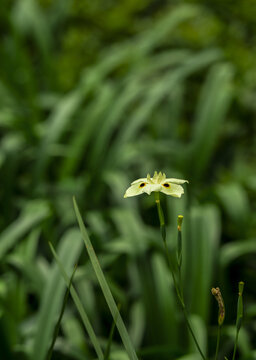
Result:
<point x="136" y="189"/>
<point x="133" y="190"/>
<point x="152" y="187"/>
<point x="155" y="177"/>
<point x="149" y="180"/>
<point x="161" y="178"/>
<point x="176" y="181"/>
<point x="159" y="182"/>
<point x="173" y="189"/>
<point x="139" y="180"/>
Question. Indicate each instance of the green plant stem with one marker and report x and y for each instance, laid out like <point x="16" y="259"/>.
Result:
<point x="235" y="346"/>
<point x="179" y="262"/>
<point x="180" y="283"/>
<point x="181" y="301"/>
<point x="171" y="267"/>
<point x="239" y="316"/>
<point x="217" y="343"/>
<point x="105" y="288"/>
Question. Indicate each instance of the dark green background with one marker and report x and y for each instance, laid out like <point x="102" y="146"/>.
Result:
<point x="93" y="95"/>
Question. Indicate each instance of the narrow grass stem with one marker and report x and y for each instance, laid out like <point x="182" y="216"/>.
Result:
<point x="192" y="332"/>
<point x="217" y="343"/>
<point x="180" y="283"/>
<point x="171" y="267"/>
<point x="235" y="346"/>
<point x="221" y="315"/>
<point x="239" y="317"/>
<point x="179" y="258"/>
<point x="181" y="301"/>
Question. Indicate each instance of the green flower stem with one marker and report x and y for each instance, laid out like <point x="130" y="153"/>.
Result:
<point x="173" y="275"/>
<point x="171" y="267"/>
<point x="235" y="346"/>
<point x="221" y="315"/>
<point x="218" y="343"/>
<point x="179" y="256"/>
<point x="239" y="316"/>
<point x="161" y="216"/>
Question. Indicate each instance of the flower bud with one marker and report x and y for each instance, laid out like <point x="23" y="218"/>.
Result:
<point x="217" y="294"/>
<point x="179" y="221"/>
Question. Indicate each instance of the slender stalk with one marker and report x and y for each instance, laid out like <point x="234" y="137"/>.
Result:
<point x="221" y="315"/>
<point x="180" y="283"/>
<point x="235" y="346"/>
<point x="239" y="316"/>
<point x="171" y="267"/>
<point x="192" y="332"/>
<point x="179" y="254"/>
<point x="218" y="343"/>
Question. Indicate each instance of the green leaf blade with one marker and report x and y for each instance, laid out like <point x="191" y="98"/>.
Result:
<point x="105" y="288"/>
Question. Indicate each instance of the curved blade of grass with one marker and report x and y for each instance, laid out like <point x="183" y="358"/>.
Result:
<point x="200" y="254"/>
<point x="234" y="250"/>
<point x="57" y="327"/>
<point x="69" y="250"/>
<point x="57" y="123"/>
<point x="199" y="327"/>
<point x="79" y="306"/>
<point x="81" y="138"/>
<point x="33" y="213"/>
<point x="212" y="107"/>
<point x="151" y="38"/>
<point x="235" y="201"/>
<point x="105" y="288"/>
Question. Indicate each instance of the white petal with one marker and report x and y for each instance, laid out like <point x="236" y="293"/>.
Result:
<point x="139" y="180"/>
<point x="156" y="183"/>
<point x="155" y="177"/>
<point x="149" y="179"/>
<point x="133" y="190"/>
<point x="149" y="188"/>
<point x="174" y="190"/>
<point x="176" y="181"/>
<point x="161" y="177"/>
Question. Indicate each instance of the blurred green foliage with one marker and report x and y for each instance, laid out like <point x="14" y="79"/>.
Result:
<point x="96" y="94"/>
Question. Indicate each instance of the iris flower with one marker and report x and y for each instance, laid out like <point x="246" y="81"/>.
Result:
<point x="157" y="183"/>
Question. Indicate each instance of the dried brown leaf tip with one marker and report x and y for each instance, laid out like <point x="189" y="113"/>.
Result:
<point x="217" y="294"/>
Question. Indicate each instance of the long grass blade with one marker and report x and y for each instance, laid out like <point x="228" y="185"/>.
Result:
<point x="233" y="250"/>
<point x="57" y="327"/>
<point x="105" y="288"/>
<point x="34" y="213"/>
<point x="79" y="307"/>
<point x="110" y="339"/>
<point x="69" y="250"/>
<point x="212" y="107"/>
